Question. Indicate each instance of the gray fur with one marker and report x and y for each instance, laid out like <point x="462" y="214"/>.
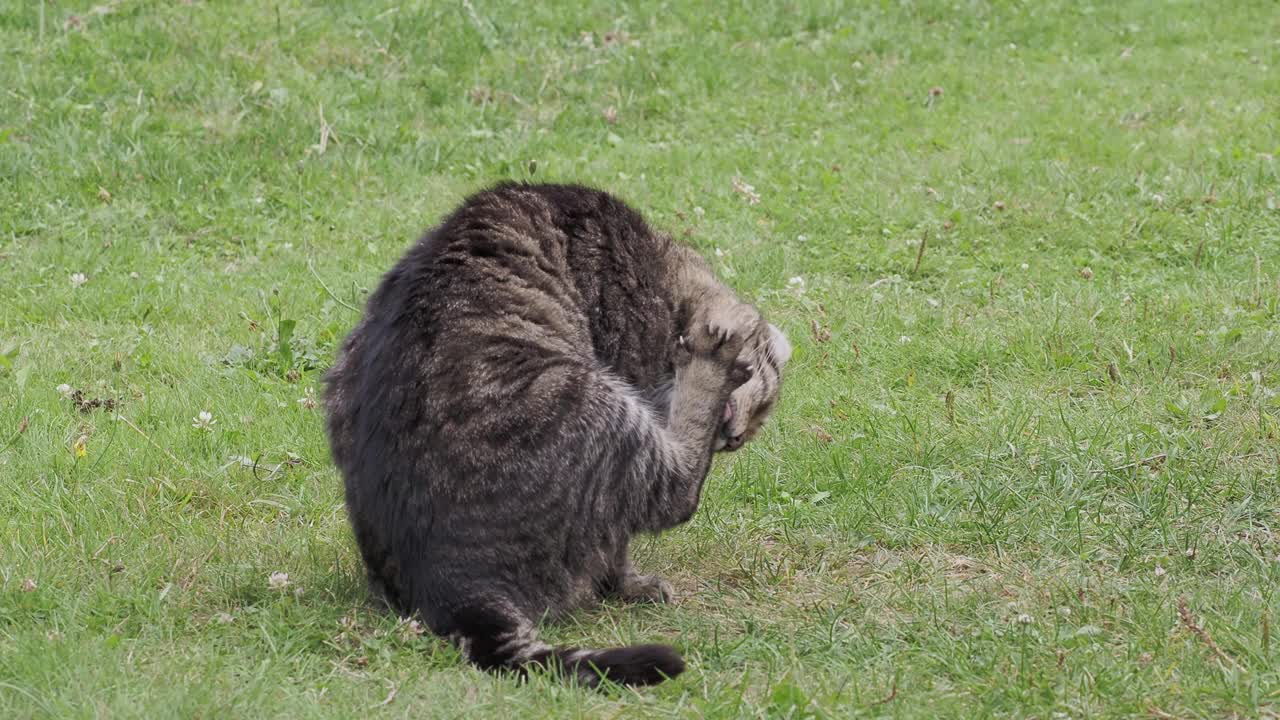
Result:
<point x="537" y="380"/>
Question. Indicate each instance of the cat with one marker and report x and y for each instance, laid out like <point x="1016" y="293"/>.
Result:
<point x="539" y="378"/>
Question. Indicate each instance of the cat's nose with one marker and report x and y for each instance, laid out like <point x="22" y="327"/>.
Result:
<point x="733" y="443"/>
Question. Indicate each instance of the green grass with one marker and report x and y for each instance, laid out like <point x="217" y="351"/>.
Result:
<point x="955" y="513"/>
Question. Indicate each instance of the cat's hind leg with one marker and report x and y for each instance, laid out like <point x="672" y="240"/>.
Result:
<point x="495" y="637"/>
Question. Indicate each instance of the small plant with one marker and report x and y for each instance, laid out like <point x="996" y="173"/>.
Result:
<point x="281" y="353"/>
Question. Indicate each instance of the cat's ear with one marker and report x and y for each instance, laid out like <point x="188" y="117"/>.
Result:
<point x="779" y="346"/>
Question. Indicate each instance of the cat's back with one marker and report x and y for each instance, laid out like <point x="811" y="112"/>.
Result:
<point x="618" y="268"/>
<point x="568" y="265"/>
<point x="524" y="243"/>
<point x="506" y="304"/>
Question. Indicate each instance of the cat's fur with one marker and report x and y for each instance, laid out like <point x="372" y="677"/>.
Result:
<point x="537" y="380"/>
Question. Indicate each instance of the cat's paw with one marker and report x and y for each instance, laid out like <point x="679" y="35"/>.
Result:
<point x="718" y="333"/>
<point x="648" y="589"/>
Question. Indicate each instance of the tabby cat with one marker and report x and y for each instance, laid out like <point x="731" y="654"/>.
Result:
<point x="538" y="379"/>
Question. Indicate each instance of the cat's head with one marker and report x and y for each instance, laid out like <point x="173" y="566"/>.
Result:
<point x="750" y="405"/>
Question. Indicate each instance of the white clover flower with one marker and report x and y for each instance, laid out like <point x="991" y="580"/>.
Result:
<point x="1025" y="619"/>
<point x="78" y="279"/>
<point x="64" y="390"/>
<point x="278" y="581"/>
<point x="747" y="191"/>
<point x="204" y="421"/>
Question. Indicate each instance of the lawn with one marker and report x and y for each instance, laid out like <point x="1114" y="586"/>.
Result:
<point x="1027" y="459"/>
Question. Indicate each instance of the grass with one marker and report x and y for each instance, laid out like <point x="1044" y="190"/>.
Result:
<point x="1001" y="461"/>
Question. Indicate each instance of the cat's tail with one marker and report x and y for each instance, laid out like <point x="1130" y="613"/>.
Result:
<point x="499" y="642"/>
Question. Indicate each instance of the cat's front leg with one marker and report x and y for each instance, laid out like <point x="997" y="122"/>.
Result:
<point x="707" y="371"/>
<point x="630" y="586"/>
<point x="638" y="588"/>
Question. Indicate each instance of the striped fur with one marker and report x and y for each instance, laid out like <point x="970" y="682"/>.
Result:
<point x="537" y="380"/>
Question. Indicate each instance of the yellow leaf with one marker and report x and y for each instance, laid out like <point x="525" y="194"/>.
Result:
<point x="79" y="447"/>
